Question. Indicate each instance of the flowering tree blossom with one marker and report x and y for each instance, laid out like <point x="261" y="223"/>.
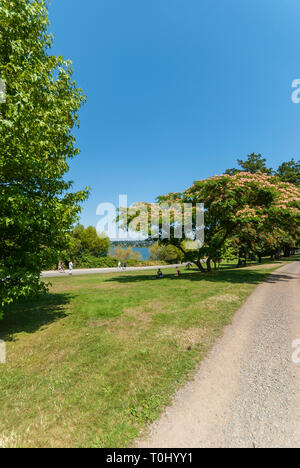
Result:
<point x="263" y="205"/>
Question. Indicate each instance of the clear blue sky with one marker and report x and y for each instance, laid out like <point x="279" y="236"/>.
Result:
<point x="178" y="90"/>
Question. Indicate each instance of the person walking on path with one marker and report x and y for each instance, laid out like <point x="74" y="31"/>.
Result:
<point x="119" y="265"/>
<point x="70" y="268"/>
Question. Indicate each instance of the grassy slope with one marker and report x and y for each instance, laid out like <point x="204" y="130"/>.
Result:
<point x="96" y="360"/>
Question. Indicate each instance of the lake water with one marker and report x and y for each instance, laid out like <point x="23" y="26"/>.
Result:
<point x="144" y="251"/>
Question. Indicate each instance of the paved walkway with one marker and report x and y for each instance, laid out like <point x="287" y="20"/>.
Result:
<point x="246" y="392"/>
<point x="95" y="271"/>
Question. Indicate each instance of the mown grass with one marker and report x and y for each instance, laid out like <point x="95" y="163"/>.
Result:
<point x="96" y="360"/>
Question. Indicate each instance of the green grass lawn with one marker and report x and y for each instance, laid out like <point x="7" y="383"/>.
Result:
<point x="96" y="360"/>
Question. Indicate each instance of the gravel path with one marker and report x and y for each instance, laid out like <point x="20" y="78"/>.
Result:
<point x="97" y="271"/>
<point x="246" y="392"/>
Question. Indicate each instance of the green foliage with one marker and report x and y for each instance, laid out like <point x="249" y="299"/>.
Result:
<point x="36" y="121"/>
<point x="124" y="255"/>
<point x="166" y="253"/>
<point x="90" y="261"/>
<point x="88" y="242"/>
<point x="229" y="250"/>
<point x="290" y="172"/>
<point x="253" y="164"/>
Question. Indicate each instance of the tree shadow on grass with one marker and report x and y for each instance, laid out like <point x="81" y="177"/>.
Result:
<point x="30" y="315"/>
<point x="236" y="276"/>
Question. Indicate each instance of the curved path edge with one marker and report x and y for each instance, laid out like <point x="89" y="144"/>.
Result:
<point x="246" y="391"/>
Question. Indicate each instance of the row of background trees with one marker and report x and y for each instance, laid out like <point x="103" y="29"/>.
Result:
<point x="245" y="241"/>
<point x="87" y="249"/>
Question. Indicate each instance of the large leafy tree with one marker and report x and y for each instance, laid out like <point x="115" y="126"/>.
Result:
<point x="252" y="208"/>
<point x="37" y="208"/>
<point x="256" y="204"/>
<point x="267" y="244"/>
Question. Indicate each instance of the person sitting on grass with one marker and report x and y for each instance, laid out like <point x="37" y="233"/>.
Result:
<point x="159" y="274"/>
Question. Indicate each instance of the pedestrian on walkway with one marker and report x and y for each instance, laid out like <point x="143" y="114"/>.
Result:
<point x="71" y="268"/>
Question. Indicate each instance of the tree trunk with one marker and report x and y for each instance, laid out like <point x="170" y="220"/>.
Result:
<point x="259" y="258"/>
<point x="208" y="264"/>
<point x="277" y="254"/>
<point x="199" y="265"/>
